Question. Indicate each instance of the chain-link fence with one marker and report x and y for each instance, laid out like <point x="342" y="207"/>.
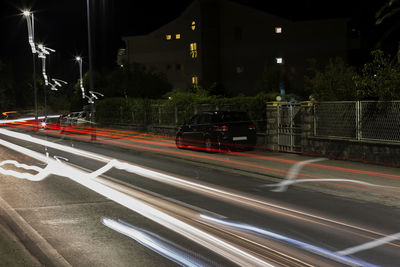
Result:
<point x="335" y="119"/>
<point x="361" y="120"/>
<point x="168" y="114"/>
<point x="380" y="120"/>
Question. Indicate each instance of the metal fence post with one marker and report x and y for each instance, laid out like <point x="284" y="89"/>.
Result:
<point x="358" y="122"/>
<point x="176" y="115"/>
<point x="315" y="121"/>
<point x="291" y="127"/>
<point x="159" y="114"/>
<point x="278" y="122"/>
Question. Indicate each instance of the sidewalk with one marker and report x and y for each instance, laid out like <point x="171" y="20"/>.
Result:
<point x="12" y="251"/>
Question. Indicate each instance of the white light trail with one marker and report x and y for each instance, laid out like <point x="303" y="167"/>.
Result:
<point x="308" y="247"/>
<point x="232" y="252"/>
<point x="28" y="119"/>
<point x="369" y="245"/>
<point x="286" y="183"/>
<point x="164" y="247"/>
<point x="293" y="171"/>
<point x="88" y="178"/>
<point x="31" y="29"/>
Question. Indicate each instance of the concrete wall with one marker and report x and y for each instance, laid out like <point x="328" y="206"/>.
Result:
<point x="380" y="152"/>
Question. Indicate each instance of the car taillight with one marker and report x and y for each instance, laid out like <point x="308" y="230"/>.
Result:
<point x="252" y="127"/>
<point x="222" y="128"/>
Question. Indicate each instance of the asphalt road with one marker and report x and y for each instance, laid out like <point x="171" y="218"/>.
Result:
<point x="195" y="197"/>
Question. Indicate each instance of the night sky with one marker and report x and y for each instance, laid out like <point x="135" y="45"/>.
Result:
<point x="61" y="25"/>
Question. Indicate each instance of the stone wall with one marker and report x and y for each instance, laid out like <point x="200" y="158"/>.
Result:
<point x="381" y="152"/>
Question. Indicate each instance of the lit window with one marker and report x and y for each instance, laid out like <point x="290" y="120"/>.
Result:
<point x="195" y="80"/>
<point x="193" y="50"/>
<point x="168" y="37"/>
<point x="193" y="25"/>
<point x="239" y="69"/>
<point x="178" y="36"/>
<point x="278" y="29"/>
<point x="279" y="60"/>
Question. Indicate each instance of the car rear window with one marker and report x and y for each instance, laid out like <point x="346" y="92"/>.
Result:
<point x="231" y="117"/>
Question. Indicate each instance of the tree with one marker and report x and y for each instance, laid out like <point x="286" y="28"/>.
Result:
<point x="270" y="80"/>
<point x="334" y="83"/>
<point x="6" y="86"/>
<point x="389" y="14"/>
<point x="379" y="79"/>
<point x="136" y="81"/>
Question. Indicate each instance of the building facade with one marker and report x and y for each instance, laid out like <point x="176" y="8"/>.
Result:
<point x="222" y="42"/>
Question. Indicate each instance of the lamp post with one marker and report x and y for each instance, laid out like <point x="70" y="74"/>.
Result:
<point x="79" y="60"/>
<point x="42" y="52"/>
<point x="31" y="39"/>
<point x="92" y="117"/>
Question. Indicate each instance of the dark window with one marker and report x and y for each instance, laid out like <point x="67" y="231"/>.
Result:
<point x="193" y="120"/>
<point x="238" y="34"/>
<point x="231" y="117"/>
<point x="205" y="119"/>
<point x="168" y="67"/>
<point x="178" y="67"/>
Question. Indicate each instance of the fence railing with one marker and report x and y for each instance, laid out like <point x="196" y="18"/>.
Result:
<point x="360" y="120"/>
<point x="170" y="115"/>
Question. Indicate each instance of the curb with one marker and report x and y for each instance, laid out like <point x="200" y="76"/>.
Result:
<point x="46" y="254"/>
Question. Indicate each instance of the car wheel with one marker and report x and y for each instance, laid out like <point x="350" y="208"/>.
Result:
<point x="179" y="142"/>
<point x="208" y="145"/>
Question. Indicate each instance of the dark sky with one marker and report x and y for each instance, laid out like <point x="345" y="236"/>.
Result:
<point x="61" y="24"/>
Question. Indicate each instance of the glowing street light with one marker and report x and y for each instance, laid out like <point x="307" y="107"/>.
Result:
<point x="31" y="29"/>
<point x="55" y="83"/>
<point x="42" y="53"/>
<point x="79" y="60"/>
<point x="31" y="39"/>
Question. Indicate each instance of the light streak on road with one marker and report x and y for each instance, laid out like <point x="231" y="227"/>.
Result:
<point x="369" y="245"/>
<point x="267" y="170"/>
<point x="230" y="251"/>
<point x="163" y="141"/>
<point x="308" y="247"/>
<point x="282" y="186"/>
<point x="166" y="248"/>
<point x="206" y="189"/>
<point x="26" y="120"/>
<point x="292" y="174"/>
<point x="20" y="175"/>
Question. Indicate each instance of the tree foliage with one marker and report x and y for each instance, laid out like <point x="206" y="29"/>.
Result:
<point x="389" y="16"/>
<point x="6" y="86"/>
<point x="379" y="79"/>
<point x="334" y="83"/>
<point x="136" y="81"/>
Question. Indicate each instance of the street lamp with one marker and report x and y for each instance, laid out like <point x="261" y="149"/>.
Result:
<point x="55" y="83"/>
<point x="31" y="39"/>
<point x="79" y="60"/>
<point x="42" y="53"/>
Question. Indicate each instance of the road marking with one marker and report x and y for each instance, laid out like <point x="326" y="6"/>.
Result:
<point x="369" y="245"/>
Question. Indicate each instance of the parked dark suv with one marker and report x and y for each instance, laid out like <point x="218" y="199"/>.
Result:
<point x="218" y="130"/>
